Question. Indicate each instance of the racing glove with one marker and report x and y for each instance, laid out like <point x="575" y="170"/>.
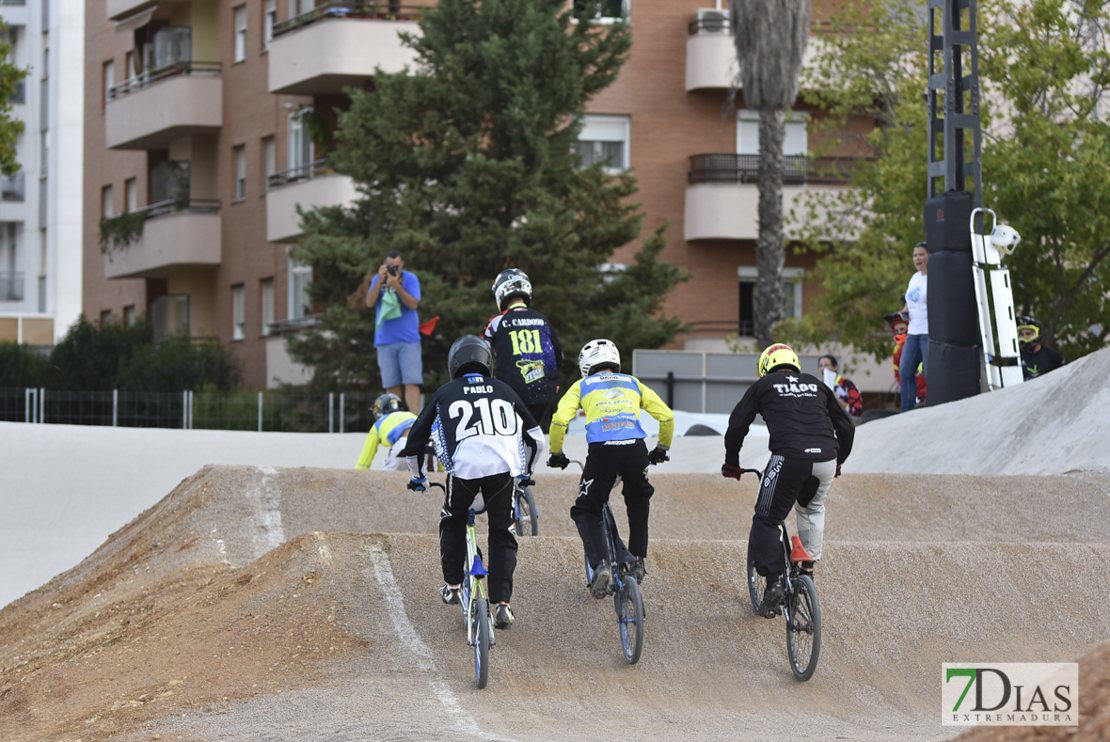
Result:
<point x="837" y="471"/>
<point x="558" y="460"/>
<point x="418" y="485"/>
<point x="731" y="471"/>
<point x="658" y="455"/>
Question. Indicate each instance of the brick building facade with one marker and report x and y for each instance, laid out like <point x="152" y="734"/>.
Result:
<point x="192" y="118"/>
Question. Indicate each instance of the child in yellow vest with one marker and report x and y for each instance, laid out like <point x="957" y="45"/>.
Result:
<point x="392" y="427"/>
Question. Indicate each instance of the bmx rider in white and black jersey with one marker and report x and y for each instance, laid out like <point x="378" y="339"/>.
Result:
<point x="484" y="436"/>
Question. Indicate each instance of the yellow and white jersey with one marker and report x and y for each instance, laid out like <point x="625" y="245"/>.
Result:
<point x="388" y="429"/>
<point x="612" y="403"/>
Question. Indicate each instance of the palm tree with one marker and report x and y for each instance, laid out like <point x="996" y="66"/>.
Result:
<point x="770" y="38"/>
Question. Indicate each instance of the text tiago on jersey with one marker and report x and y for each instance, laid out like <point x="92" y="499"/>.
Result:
<point x="796" y="390"/>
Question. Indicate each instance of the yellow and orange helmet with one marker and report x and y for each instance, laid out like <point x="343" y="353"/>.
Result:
<point x="778" y="354"/>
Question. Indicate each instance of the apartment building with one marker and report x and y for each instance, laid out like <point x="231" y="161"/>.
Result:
<point x="40" y="206"/>
<point x="195" y="120"/>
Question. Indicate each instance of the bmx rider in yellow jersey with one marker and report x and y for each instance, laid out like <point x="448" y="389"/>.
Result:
<point x="612" y="402"/>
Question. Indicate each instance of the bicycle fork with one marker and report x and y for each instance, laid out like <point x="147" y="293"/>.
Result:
<point x="474" y="586"/>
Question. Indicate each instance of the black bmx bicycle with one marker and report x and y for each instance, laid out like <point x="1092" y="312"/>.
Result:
<point x="526" y="518"/>
<point x="625" y="591"/>
<point x="800" y="604"/>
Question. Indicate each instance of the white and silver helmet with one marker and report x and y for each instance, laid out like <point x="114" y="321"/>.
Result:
<point x="596" y="353"/>
<point x="511" y="282"/>
<point x="1005" y="238"/>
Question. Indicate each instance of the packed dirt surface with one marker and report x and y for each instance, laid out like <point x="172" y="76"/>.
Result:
<point x="301" y="604"/>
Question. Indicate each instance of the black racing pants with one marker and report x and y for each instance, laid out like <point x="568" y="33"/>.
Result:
<point x="785" y="482"/>
<point x="497" y="491"/>
<point x="603" y="463"/>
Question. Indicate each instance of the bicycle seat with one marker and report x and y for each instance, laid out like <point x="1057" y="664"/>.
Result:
<point x="479" y="505"/>
<point x="799" y="553"/>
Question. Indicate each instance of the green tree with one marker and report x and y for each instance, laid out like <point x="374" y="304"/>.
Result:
<point x="10" y="129"/>
<point x="1044" y="165"/>
<point x="21" y="366"/>
<point x="467" y="166"/>
<point x="128" y="358"/>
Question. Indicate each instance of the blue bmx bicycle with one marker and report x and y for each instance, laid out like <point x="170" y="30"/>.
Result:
<point x="623" y="586"/>
<point x="474" y="598"/>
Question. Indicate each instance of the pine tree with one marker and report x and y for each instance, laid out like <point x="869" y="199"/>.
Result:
<point x="467" y="165"/>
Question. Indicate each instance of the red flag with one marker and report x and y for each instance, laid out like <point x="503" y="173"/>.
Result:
<point x="427" y="328"/>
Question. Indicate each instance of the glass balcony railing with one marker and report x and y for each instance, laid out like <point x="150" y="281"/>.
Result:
<point x="299" y="173"/>
<point x="11" y="286"/>
<point x="11" y="187"/>
<point x="177" y="69"/>
<point x="19" y="94"/>
<point x="364" y="10"/>
<point x="733" y="168"/>
<point x="177" y="206"/>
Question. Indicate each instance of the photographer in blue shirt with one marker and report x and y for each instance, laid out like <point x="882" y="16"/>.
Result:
<point x="395" y="293"/>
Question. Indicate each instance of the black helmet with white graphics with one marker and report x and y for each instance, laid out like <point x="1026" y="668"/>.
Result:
<point x="600" y="352"/>
<point x="386" y="404"/>
<point x="469" y="355"/>
<point x="509" y="283"/>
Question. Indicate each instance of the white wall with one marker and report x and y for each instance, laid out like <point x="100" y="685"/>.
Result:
<point x="64" y="236"/>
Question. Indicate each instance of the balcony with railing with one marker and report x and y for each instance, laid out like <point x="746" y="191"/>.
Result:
<point x="336" y="45"/>
<point x="733" y="168"/>
<point x="308" y="186"/>
<point x="722" y="198"/>
<point x="19" y="93"/>
<point x="119" y="10"/>
<point x="11" y="187"/>
<point x="162" y="238"/>
<point x="11" y="286"/>
<point x="711" y="51"/>
<point x="149" y="110"/>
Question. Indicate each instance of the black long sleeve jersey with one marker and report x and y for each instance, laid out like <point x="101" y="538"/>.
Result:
<point x="528" y="353"/>
<point x="479" y="427"/>
<point x="802" y="415"/>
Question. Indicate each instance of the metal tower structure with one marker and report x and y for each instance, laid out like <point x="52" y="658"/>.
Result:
<point x="954" y="99"/>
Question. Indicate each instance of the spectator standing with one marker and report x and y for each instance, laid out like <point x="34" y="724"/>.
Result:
<point x="395" y="293"/>
<point x="847" y="393"/>
<point x="916" y="348"/>
<point x="1037" y="359"/>
<point x="899" y="321"/>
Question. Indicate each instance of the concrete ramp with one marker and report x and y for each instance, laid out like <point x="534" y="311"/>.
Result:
<point x="1055" y="424"/>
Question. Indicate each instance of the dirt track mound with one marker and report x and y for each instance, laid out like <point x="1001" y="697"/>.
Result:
<point x="1054" y="424"/>
<point x="213" y="595"/>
